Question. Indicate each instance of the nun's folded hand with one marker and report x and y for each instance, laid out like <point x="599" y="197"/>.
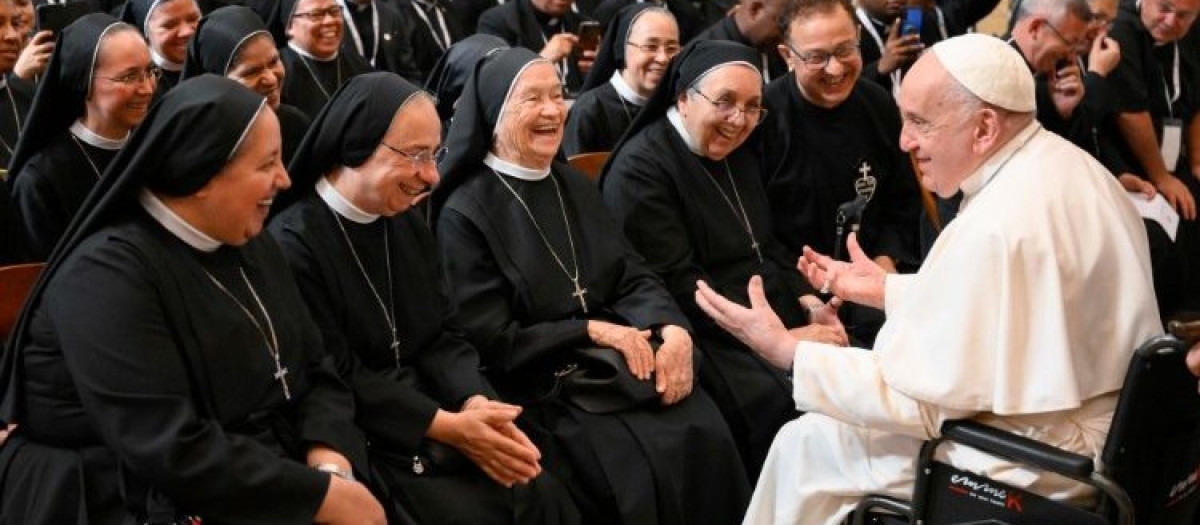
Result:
<point x="35" y="56"/>
<point x="757" y="327"/>
<point x="486" y="434"/>
<point x="632" y="343"/>
<point x="559" y="46"/>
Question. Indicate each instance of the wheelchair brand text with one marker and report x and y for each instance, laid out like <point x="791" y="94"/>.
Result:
<point x="986" y="492"/>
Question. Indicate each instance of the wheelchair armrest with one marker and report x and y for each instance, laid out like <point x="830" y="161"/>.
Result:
<point x="1018" y="448"/>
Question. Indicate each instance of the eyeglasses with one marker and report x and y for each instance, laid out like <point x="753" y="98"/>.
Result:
<point x="817" y="59"/>
<point x="422" y="157"/>
<point x="317" y="15"/>
<point x="727" y="109"/>
<point x="654" y="48"/>
<point x="1058" y="34"/>
<point x="137" y="76"/>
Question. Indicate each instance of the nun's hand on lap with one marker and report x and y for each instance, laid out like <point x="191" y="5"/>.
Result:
<point x="349" y="502"/>
<point x="487" y="435"/>
<point x="35" y="56"/>
<point x="860" y="280"/>
<point x="757" y="327"/>
<point x="558" y="47"/>
<point x="673" y="365"/>
<point x="632" y="343"/>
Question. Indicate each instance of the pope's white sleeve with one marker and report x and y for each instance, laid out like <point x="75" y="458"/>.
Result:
<point x="846" y="384"/>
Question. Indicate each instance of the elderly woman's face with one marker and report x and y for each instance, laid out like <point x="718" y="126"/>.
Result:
<point x="531" y="128"/>
<point x="258" y="67"/>
<point x="235" y="203"/>
<point x="403" y="167"/>
<point x="721" y="111"/>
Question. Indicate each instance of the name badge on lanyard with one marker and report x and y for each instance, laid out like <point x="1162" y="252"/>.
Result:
<point x="1172" y="136"/>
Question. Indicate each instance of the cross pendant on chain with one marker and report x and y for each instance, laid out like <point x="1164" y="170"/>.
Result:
<point x="281" y="373"/>
<point x="579" y="293"/>
<point x="395" y="346"/>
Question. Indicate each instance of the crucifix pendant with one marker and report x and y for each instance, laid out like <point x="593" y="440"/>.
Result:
<point x="579" y="293"/>
<point x="395" y="346"/>
<point x="281" y="373"/>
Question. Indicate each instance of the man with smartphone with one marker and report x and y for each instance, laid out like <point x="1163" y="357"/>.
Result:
<point x="549" y="27"/>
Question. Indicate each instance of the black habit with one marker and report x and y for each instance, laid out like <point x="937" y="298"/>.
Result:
<point x="52" y="170"/>
<point x="436" y="29"/>
<point x="387" y="49"/>
<point x="310" y="83"/>
<point x="448" y="76"/>
<point x="769" y="62"/>
<point x="362" y="279"/>
<point x="143" y="391"/>
<point x="137" y="13"/>
<point x="219" y="38"/>
<point x="687" y="216"/>
<point x="638" y="466"/>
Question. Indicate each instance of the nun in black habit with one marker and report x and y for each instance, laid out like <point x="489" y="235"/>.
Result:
<point x="450" y="74"/>
<point x="538" y="271"/>
<point x="698" y="211"/>
<point x="168" y="53"/>
<point x="314" y="74"/>
<point x="97" y="87"/>
<point x="609" y="101"/>
<point x="233" y="42"/>
<point x="165" y="367"/>
<point x="368" y="268"/>
<point x="521" y="23"/>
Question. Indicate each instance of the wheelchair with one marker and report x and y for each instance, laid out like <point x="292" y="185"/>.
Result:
<point x="1149" y="472"/>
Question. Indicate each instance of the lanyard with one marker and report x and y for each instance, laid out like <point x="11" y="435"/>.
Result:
<point x="442" y="37"/>
<point x="358" y="43"/>
<point x="1167" y="85"/>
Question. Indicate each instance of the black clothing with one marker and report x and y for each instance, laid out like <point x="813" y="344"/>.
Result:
<point x="520" y="24"/>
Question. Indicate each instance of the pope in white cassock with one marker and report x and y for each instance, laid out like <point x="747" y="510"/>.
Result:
<point x="1023" y="316"/>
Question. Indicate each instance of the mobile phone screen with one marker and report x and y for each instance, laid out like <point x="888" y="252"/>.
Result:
<point x="590" y="34"/>
<point x="913" y="17"/>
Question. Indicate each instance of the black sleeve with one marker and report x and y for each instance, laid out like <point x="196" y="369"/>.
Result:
<point x="482" y="294"/>
<point x="385" y="408"/>
<point x="1128" y="79"/>
<point x="41" y="212"/>
<point x="132" y="381"/>
<point x="583" y="123"/>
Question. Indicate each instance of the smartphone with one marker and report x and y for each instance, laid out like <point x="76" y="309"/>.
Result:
<point x="590" y="34"/>
<point x="913" y="16"/>
<point x="55" y="17"/>
<point x="1186" y="331"/>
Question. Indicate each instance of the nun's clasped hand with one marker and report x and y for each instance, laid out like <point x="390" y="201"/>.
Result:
<point x="860" y="280"/>
<point x="757" y="327"/>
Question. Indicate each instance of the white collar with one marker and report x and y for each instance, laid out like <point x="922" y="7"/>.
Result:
<point x="341" y="205"/>
<point x="162" y="62"/>
<point x="81" y="132"/>
<point x="677" y="123"/>
<point x="175" y="224"/>
<point x="310" y="56"/>
<point x="625" y="91"/>
<point x="513" y="170"/>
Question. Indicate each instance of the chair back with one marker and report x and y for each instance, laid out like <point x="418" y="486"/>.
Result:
<point x="15" y="283"/>
<point x="1153" y="446"/>
<point x="589" y="163"/>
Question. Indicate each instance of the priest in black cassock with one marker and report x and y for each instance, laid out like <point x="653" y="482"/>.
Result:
<point x="381" y="34"/>
<point x="690" y="200"/>
<point x="165" y="369"/>
<point x="450" y="74"/>
<point x="754" y="23"/>
<point x="168" y="26"/>
<point x="548" y="27"/>
<point x="830" y="145"/>
<point x="632" y="61"/>
<point x="97" y="87"/>
<point x="539" y="271"/>
<point x="233" y="42"/>
<point x="308" y="34"/>
<point x="437" y="28"/>
<point x="369" y="271"/>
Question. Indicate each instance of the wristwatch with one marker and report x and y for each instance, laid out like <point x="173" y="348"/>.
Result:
<point x="333" y="468"/>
